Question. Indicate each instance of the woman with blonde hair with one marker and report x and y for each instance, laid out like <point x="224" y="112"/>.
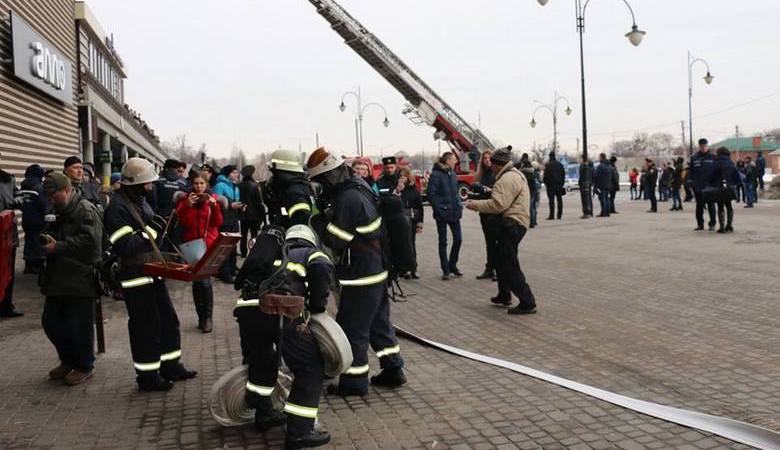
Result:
<point x="413" y="209"/>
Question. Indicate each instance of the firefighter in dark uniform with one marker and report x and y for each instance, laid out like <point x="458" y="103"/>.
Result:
<point x="309" y="274"/>
<point x="290" y="197"/>
<point x="352" y="228"/>
<point x="155" y="341"/>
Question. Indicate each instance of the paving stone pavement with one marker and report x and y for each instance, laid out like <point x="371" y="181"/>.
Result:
<point x="638" y="304"/>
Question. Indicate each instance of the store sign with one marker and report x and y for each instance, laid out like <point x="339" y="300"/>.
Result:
<point x="39" y="63"/>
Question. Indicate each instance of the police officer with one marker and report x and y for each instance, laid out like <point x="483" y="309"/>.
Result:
<point x="169" y="183"/>
<point x="290" y="198"/>
<point x="702" y="167"/>
<point x="73" y="244"/>
<point x="388" y="183"/>
<point x="309" y="274"/>
<point x="352" y="227"/>
<point x="131" y="225"/>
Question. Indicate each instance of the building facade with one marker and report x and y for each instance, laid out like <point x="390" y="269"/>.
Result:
<point x="38" y="104"/>
<point x="62" y="91"/>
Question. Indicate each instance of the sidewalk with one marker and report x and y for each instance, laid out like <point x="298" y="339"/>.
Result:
<point x="638" y="304"/>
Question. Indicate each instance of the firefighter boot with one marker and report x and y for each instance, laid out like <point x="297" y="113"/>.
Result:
<point x="177" y="372"/>
<point x="314" y="438"/>
<point x="153" y="382"/>
<point x="266" y="417"/>
<point x="389" y="378"/>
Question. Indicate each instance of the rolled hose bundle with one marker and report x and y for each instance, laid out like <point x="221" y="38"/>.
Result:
<point x="227" y="399"/>
<point x="333" y="343"/>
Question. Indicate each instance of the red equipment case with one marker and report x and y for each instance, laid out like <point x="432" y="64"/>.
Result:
<point x="208" y="266"/>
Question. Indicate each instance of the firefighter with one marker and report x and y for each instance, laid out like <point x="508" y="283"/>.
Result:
<point x="308" y="274"/>
<point x="131" y="225"/>
<point x="352" y="227"/>
<point x="290" y="197"/>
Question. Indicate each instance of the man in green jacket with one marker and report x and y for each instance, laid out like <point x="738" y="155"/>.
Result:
<point x="73" y="244"/>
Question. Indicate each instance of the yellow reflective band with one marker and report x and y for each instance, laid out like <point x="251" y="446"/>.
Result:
<point x="241" y="303"/>
<point x="120" y="233"/>
<point x="170" y="356"/>
<point x="264" y="391"/>
<point x="284" y="211"/>
<point x="151" y="231"/>
<point x="136" y="282"/>
<point x="299" y="207"/>
<point x="297" y="268"/>
<point x="357" y="370"/>
<point x="278" y="263"/>
<point x="300" y="411"/>
<point x="316" y="255"/>
<point x="339" y="233"/>
<point x="370" y="228"/>
<point x="366" y="281"/>
<point x="388" y="351"/>
<point x="146" y="367"/>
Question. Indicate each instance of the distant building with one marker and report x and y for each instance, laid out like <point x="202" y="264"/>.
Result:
<point x="749" y="146"/>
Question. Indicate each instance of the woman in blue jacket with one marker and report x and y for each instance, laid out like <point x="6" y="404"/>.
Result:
<point x="447" y="211"/>
<point x="227" y="187"/>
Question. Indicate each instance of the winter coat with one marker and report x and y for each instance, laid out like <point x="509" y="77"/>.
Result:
<point x="8" y="200"/>
<point x="227" y="189"/>
<point x="165" y="188"/>
<point x="725" y="172"/>
<point x="510" y="198"/>
<point x="761" y="165"/>
<point x="34" y="203"/>
<point x="412" y="203"/>
<point x="554" y="175"/>
<point x="443" y="194"/>
<point x="249" y="190"/>
<point x="614" y="179"/>
<point x="633" y="177"/>
<point x="79" y="235"/>
<point x="602" y="179"/>
<point x="702" y="165"/>
<point x="201" y="221"/>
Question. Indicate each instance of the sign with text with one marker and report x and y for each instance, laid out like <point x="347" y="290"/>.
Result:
<point x="39" y="63"/>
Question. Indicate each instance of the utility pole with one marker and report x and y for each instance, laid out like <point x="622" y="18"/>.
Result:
<point x="682" y="127"/>
<point x="317" y="138"/>
<point x="737" y="142"/>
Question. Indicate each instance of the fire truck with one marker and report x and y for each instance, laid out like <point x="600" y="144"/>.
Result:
<point x="424" y="106"/>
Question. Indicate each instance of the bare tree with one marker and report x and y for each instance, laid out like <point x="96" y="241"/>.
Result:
<point x="181" y="150"/>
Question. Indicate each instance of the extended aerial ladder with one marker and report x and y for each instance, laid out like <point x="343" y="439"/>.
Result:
<point x="424" y="107"/>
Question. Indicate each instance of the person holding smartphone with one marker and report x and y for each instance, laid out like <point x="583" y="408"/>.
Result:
<point x="227" y="188"/>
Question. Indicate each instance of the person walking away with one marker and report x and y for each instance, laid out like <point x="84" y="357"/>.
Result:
<point x="633" y="179"/>
<point x="741" y="185"/>
<point x="73" y="245"/>
<point x="532" y="177"/>
<point x="413" y="209"/>
<point x="253" y="216"/>
<point x="485" y="178"/>
<point x="447" y="211"/>
<point x="9" y="202"/>
<point x="676" y="184"/>
<point x="352" y="228"/>
<point x="554" y="179"/>
<point x="227" y="188"/>
<point x="602" y="180"/>
<point x="761" y="169"/>
<point x="510" y="200"/>
<point x="586" y="187"/>
<point x="34" y="206"/>
<point x="751" y="179"/>
<point x="536" y="194"/>
<point x="200" y="216"/>
<point x="651" y="178"/>
<point x="132" y="227"/>
<point x="702" y="165"/>
<point x="725" y="176"/>
<point x="614" y="184"/>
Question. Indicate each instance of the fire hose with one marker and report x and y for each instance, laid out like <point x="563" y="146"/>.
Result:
<point x="735" y="430"/>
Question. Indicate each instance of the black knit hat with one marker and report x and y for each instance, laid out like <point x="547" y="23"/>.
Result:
<point x="501" y="156"/>
<point x="227" y="169"/>
<point x="170" y="164"/>
<point x="71" y="160"/>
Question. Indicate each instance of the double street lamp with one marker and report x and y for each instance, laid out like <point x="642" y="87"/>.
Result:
<point x="707" y="79"/>
<point x="553" y="108"/>
<point x="634" y="36"/>
<point x="361" y="109"/>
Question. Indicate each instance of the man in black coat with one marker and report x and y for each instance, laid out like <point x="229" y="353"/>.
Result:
<point x="586" y="187"/>
<point x="554" y="177"/>
<point x="602" y="180"/>
<point x="614" y="184"/>
<point x="702" y="166"/>
<point x="651" y="179"/>
<point x="253" y="217"/>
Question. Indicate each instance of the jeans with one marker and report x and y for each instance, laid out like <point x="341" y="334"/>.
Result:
<point x="534" y="207"/>
<point x="676" y="200"/>
<point x="511" y="279"/>
<point x="69" y="323"/>
<point x="750" y="193"/>
<point x="633" y="191"/>
<point x="448" y="264"/>
<point x="552" y="195"/>
<point x="203" y="297"/>
<point x="587" y="201"/>
<point x="604" y="203"/>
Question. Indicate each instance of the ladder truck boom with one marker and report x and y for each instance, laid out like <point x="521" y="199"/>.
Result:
<point x="425" y="106"/>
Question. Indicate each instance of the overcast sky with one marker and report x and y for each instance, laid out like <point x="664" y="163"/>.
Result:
<point x="262" y="74"/>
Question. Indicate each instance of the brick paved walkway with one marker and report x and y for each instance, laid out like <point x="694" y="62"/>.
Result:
<point x="638" y="304"/>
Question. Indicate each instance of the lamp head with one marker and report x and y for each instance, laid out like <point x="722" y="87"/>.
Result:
<point x="533" y="123"/>
<point x="386" y="122"/>
<point x="708" y="78"/>
<point x="635" y="36"/>
<point x="568" y="110"/>
<point x="542" y="2"/>
<point x="342" y="106"/>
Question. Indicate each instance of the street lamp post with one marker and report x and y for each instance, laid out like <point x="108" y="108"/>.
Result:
<point x="361" y="109"/>
<point x="553" y="108"/>
<point x="707" y="79"/>
<point x="634" y="36"/>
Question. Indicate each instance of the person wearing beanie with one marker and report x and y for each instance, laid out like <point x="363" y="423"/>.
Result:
<point x="34" y="206"/>
<point x="227" y="188"/>
<point x="554" y="179"/>
<point x="74" y="169"/>
<point x="510" y="199"/>
<point x="73" y="245"/>
<point x="253" y="218"/>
